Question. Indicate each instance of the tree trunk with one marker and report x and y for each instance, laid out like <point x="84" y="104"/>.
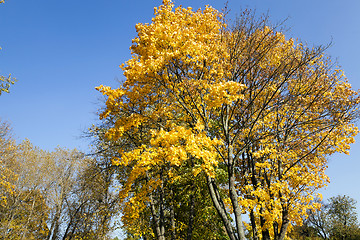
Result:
<point x="265" y="233"/>
<point x="157" y="231"/>
<point x="29" y="217"/>
<point x="254" y="227"/>
<point x="236" y="207"/>
<point x="53" y="231"/>
<point x="55" y="226"/>
<point x="284" y="225"/>
<point x="161" y="210"/>
<point x="172" y="220"/>
<point x="191" y="217"/>
<point x="220" y="208"/>
<point x="158" y="221"/>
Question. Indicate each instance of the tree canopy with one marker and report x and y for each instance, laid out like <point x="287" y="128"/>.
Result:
<point x="252" y="114"/>
<point x="335" y="220"/>
<point x="214" y="120"/>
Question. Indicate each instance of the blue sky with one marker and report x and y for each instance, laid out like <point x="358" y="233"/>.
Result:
<point x="61" y="50"/>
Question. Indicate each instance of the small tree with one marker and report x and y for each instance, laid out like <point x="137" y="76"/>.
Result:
<point x="336" y="220"/>
<point x="343" y="218"/>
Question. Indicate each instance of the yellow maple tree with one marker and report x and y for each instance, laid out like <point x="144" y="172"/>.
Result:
<point x="244" y="102"/>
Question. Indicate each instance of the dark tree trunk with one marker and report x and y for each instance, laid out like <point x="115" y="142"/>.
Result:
<point x="254" y="227"/>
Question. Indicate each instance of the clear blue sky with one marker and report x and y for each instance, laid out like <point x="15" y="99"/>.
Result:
<point x="60" y="50"/>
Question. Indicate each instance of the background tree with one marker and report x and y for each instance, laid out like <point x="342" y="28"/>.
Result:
<point x="8" y="177"/>
<point x="343" y="218"/>
<point x="81" y="199"/>
<point x="241" y="102"/>
<point x="315" y="224"/>
<point x="336" y="219"/>
<point x="93" y="206"/>
<point x="52" y="195"/>
<point x="25" y="213"/>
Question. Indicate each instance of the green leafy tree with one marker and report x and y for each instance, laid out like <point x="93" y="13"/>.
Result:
<point x="335" y="220"/>
<point x="343" y="218"/>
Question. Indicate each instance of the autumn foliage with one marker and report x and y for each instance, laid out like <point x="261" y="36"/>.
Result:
<point x="52" y="195"/>
<point x="252" y="114"/>
<point x="214" y="120"/>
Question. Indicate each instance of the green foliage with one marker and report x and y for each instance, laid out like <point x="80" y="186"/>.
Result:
<point x="186" y="202"/>
<point x="335" y="220"/>
<point x="343" y="218"/>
